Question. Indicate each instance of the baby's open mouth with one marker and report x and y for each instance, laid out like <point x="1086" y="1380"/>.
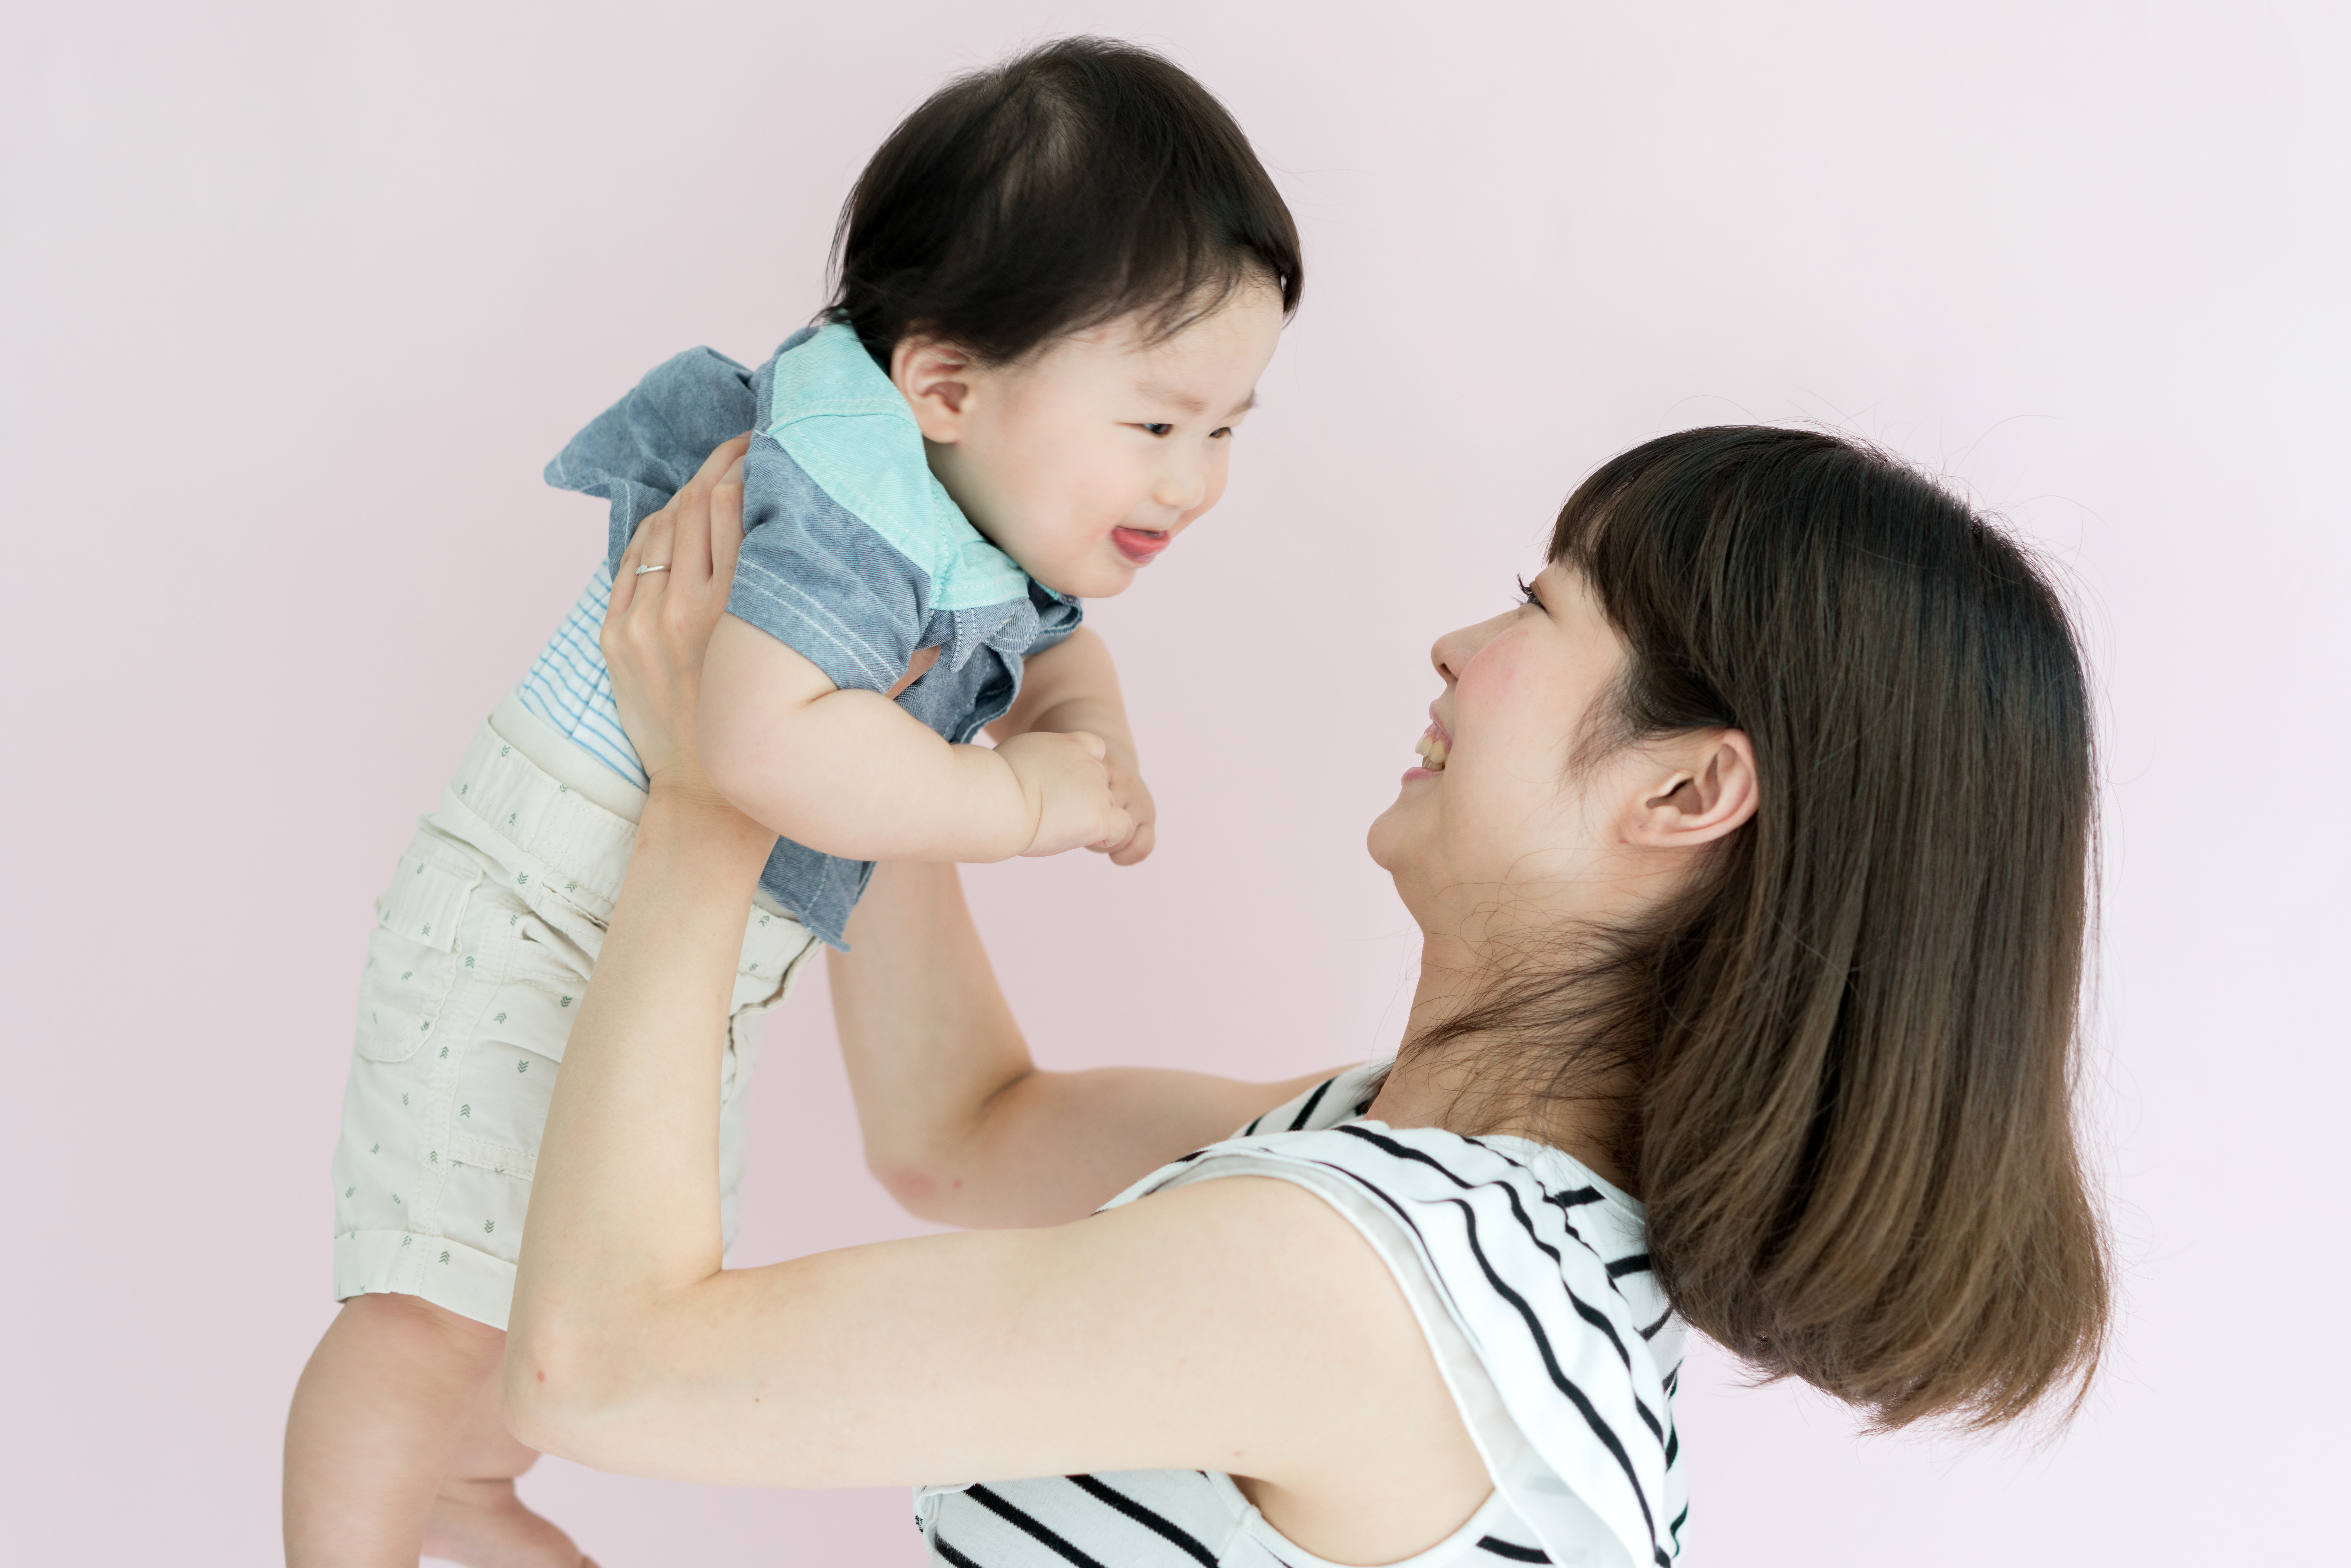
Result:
<point x="1141" y="546"/>
<point x="1433" y="749"/>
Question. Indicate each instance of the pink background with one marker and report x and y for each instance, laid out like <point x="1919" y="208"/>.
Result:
<point x="295" y="300"/>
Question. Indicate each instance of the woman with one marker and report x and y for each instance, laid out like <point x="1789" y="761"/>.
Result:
<point x="1750" y="862"/>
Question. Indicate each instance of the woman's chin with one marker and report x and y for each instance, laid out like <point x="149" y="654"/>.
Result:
<point x="1389" y="838"/>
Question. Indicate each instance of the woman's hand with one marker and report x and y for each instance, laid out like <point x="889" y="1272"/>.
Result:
<point x="662" y="616"/>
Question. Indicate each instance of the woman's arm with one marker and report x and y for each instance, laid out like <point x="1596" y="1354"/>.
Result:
<point x="959" y="1123"/>
<point x="1239" y="1326"/>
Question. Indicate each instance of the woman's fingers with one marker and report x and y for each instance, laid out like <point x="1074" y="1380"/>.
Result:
<point x="689" y="543"/>
<point x="647" y="579"/>
<point x="727" y="524"/>
<point x="695" y="504"/>
<point x="624" y="576"/>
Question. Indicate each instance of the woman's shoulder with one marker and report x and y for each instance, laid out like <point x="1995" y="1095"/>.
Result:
<point x="1341" y="1097"/>
<point x="1529" y="1276"/>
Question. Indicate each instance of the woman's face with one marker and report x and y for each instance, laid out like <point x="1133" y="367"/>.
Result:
<point x="1500" y="821"/>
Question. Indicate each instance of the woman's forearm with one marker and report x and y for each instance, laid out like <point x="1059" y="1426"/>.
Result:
<point x="625" y="1208"/>
<point x="958" y="1121"/>
<point x="927" y="1036"/>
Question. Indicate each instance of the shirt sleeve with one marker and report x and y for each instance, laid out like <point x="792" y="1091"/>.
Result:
<point x="641" y="451"/>
<point x="820" y="580"/>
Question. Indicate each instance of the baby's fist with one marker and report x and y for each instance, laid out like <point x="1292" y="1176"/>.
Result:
<point x="1066" y="783"/>
<point x="1132" y="794"/>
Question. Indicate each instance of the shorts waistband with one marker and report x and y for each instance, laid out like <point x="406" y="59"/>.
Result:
<point x="565" y="761"/>
<point x="556" y="802"/>
<point x="506" y="786"/>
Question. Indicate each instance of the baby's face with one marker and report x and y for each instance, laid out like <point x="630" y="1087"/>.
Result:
<point x="1085" y="461"/>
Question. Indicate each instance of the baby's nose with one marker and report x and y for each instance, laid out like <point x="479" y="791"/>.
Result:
<point x="1181" y="486"/>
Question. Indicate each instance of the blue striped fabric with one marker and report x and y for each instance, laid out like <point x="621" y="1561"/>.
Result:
<point x="570" y="687"/>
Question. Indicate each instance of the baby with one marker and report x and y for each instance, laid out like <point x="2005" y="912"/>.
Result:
<point x="1060" y="280"/>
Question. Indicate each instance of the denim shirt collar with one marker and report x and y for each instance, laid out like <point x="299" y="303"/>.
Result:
<point x="848" y="427"/>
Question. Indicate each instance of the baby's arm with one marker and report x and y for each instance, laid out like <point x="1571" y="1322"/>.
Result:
<point x="849" y="773"/>
<point x="1072" y="687"/>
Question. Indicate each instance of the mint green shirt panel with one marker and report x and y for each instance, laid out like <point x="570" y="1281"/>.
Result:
<point x="847" y="428"/>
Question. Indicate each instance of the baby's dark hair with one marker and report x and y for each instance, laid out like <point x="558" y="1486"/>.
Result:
<point x="1077" y="183"/>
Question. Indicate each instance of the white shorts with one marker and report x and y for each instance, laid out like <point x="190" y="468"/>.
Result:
<point x="482" y="948"/>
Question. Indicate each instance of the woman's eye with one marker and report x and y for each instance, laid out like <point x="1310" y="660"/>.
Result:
<point x="1159" y="429"/>
<point x="1528" y="595"/>
<point x="1220" y="432"/>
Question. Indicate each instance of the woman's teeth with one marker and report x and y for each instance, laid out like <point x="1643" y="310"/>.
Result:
<point x="1433" y="751"/>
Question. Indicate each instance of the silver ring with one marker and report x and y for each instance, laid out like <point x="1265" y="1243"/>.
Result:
<point x="642" y="569"/>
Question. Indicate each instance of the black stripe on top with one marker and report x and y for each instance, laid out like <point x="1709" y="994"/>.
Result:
<point x="1307" y="1110"/>
<point x="1589" y="1313"/>
<point x="1638" y="1263"/>
<point x="1585" y="1310"/>
<point x="1157" y="1523"/>
<point x="1023" y="1522"/>
<point x="951" y="1555"/>
<point x="1512" y="1551"/>
<point x="1593" y="1419"/>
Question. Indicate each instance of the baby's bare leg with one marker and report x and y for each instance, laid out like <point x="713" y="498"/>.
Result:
<point x="476" y="1518"/>
<point x="375" y="1423"/>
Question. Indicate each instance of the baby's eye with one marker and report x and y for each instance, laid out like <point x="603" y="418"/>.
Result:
<point x="1158" y="429"/>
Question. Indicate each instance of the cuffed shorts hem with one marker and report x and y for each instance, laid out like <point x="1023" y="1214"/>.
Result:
<point x="483" y="948"/>
<point x="446" y="1273"/>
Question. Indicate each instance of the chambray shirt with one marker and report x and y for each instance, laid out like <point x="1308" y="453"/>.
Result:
<point x="853" y="554"/>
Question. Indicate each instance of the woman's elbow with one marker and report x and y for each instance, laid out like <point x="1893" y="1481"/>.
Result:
<point x="919" y="1190"/>
<point x="558" y="1386"/>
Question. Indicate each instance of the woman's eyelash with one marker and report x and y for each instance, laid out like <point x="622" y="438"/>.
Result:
<point x="1158" y="429"/>
<point x="1527" y="592"/>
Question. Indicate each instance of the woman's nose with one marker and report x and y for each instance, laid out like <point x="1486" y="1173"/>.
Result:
<point x="1457" y="647"/>
<point x="1448" y="655"/>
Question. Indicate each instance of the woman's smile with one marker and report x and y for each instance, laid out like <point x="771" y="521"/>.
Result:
<point x="1435" y="745"/>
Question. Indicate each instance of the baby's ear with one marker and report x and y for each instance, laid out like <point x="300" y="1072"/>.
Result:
<point x="934" y="378"/>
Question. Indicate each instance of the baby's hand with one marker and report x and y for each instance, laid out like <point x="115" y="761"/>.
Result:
<point x="1128" y="791"/>
<point x="1067" y="782"/>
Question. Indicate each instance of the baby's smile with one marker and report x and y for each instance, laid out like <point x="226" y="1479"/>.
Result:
<point x="1141" y="546"/>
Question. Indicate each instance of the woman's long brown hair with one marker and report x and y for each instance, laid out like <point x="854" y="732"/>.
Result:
<point x="1852" y="1044"/>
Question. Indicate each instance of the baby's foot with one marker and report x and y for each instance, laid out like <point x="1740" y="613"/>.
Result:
<point x="482" y="1524"/>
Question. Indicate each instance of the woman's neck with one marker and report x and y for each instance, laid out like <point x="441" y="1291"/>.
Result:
<point x="1464" y="1086"/>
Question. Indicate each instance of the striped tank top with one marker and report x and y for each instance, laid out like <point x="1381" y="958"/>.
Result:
<point x="1530" y="1277"/>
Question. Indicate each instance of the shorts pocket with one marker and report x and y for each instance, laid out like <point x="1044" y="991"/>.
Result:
<point x="411" y="963"/>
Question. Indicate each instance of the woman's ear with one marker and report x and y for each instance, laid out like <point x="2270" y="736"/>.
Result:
<point x="1703" y="787"/>
<point x="934" y="378"/>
